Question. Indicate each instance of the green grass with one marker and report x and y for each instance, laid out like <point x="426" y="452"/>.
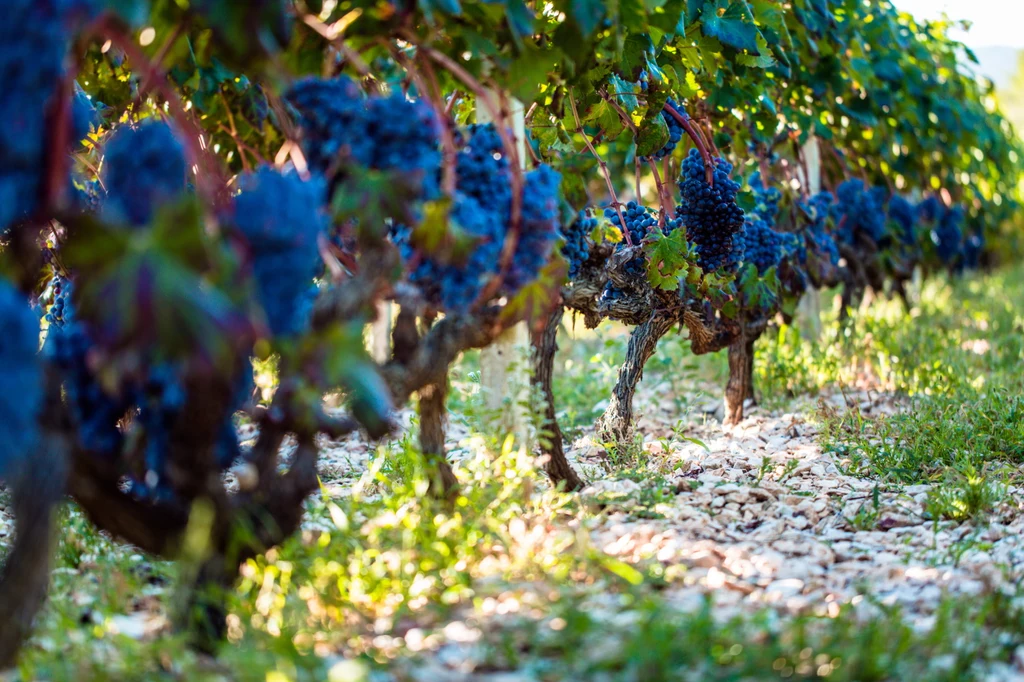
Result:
<point x="954" y="364"/>
<point x="386" y="572"/>
<point x="383" y="575"/>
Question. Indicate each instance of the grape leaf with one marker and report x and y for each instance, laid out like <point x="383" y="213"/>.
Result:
<point x="731" y="23"/>
<point x="667" y="258"/>
<point x="651" y="136"/>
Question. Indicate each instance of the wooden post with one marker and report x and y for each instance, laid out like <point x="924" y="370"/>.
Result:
<point x="503" y="365"/>
<point x="808" y="313"/>
<point x="380" y="333"/>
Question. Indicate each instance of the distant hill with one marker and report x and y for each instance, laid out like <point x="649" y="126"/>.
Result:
<point x="998" y="63"/>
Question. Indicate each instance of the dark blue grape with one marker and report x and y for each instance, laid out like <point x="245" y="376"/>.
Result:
<point x="481" y="212"/>
<point x="538" y="229"/>
<point x="282" y="218"/>
<point x="382" y="133"/>
<point x="762" y="246"/>
<point x="948" y="235"/>
<point x="675" y="133"/>
<point x="973" y="248"/>
<point x="22" y="395"/>
<point x="61" y="310"/>
<point x="819" y="208"/>
<point x="639" y="220"/>
<point x="95" y="411"/>
<point x="34" y="38"/>
<point x="930" y="210"/>
<point x="483" y="171"/>
<point x="143" y="167"/>
<point x="577" y="242"/>
<point x="859" y="210"/>
<point x="710" y="214"/>
<point x="904" y="215"/>
<point x="332" y="119"/>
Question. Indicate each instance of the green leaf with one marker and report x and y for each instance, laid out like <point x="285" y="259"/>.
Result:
<point x="731" y="23"/>
<point x="533" y="300"/>
<point x="528" y="72"/>
<point x="651" y="136"/>
<point x="667" y="258"/>
<point x="622" y="569"/>
<point x="588" y="15"/>
<point x="623" y="92"/>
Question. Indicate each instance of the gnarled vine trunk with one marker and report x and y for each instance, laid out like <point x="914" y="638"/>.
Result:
<point x="432" y="416"/>
<point x="740" y="387"/>
<point x="552" y="445"/>
<point x="37" y="494"/>
<point x="617" y="422"/>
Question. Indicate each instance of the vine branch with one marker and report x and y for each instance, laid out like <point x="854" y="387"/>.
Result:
<point x="616" y="204"/>
<point x="698" y="139"/>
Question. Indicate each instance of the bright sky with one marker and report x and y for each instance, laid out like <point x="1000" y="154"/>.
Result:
<point x="996" y="22"/>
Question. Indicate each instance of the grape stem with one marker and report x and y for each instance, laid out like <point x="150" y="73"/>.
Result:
<point x="426" y="83"/>
<point x="616" y="204"/>
<point x="449" y="178"/>
<point x="664" y="196"/>
<point x="333" y="35"/>
<point x="241" y="145"/>
<point x="59" y="139"/>
<point x="452" y="99"/>
<point x="698" y="140"/>
<point x="233" y="132"/>
<point x="158" y="60"/>
<point x="703" y="119"/>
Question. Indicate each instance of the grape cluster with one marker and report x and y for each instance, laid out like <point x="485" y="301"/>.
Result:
<point x="859" y="210"/>
<point x="96" y="412"/>
<point x="33" y="40"/>
<point x="577" y="242"/>
<point x="481" y="212"/>
<point x="766" y="198"/>
<point x="973" y="247"/>
<point x="948" y="234"/>
<point x="281" y="217"/>
<point x="382" y="133"/>
<point x="331" y="116"/>
<point x="454" y="281"/>
<point x="639" y="220"/>
<point x="762" y="246"/>
<point x="483" y="171"/>
<point x="84" y="116"/>
<point x="818" y="209"/>
<point x="675" y="132"/>
<point x="143" y="167"/>
<point x="60" y="312"/>
<point x="930" y="210"/>
<point x="903" y="215"/>
<point x="710" y="214"/>
<point x="22" y="396"/>
<point x="538" y="227"/>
